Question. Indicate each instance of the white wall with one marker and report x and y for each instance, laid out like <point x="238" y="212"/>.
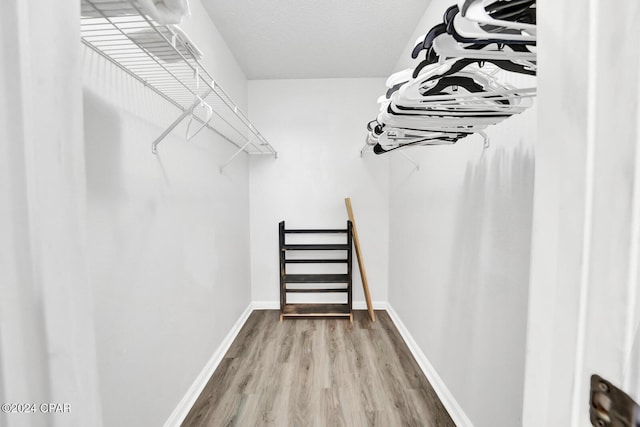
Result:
<point x="583" y="314"/>
<point x="459" y="235"/>
<point x="318" y="127"/>
<point x="168" y="236"/>
<point x="47" y="349"/>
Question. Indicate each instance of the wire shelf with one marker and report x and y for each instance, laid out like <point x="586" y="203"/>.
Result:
<point x="166" y="61"/>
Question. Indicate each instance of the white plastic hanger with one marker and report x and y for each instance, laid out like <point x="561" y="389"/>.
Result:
<point x="447" y="47"/>
<point x="476" y="12"/>
<point x="203" y="104"/>
<point x="393" y="138"/>
<point x="444" y="124"/>
<point x="454" y="117"/>
<point x="411" y="93"/>
<point x="447" y="116"/>
<point x="398" y="78"/>
<point x="449" y="111"/>
<point x="471" y="29"/>
<point x="436" y="69"/>
<point x="463" y="108"/>
<point x="472" y="103"/>
<point x="393" y="135"/>
<point x="485" y="80"/>
<point x="389" y="141"/>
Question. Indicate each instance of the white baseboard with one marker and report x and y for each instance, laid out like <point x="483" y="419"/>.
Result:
<point x="180" y="413"/>
<point x="266" y="305"/>
<point x="447" y="399"/>
<point x="357" y="305"/>
<point x="377" y="305"/>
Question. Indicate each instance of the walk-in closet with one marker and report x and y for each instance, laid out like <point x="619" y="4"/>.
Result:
<point x="299" y="213"/>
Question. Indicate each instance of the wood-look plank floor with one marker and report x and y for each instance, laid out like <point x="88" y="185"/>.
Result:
<point x="318" y="372"/>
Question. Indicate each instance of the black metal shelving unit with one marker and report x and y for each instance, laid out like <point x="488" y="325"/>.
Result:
<point x="314" y="282"/>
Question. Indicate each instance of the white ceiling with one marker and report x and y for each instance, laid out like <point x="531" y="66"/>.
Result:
<point x="281" y="39"/>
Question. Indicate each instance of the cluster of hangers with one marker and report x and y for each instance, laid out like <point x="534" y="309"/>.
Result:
<point x="453" y="92"/>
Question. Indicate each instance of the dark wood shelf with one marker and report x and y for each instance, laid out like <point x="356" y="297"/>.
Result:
<point x="317" y="278"/>
<point x="316" y="261"/>
<point x="317" y="290"/>
<point x="317" y="247"/>
<point x="317" y="310"/>
<point x="317" y="231"/>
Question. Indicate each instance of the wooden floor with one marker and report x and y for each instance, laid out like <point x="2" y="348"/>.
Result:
<point x="318" y="372"/>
